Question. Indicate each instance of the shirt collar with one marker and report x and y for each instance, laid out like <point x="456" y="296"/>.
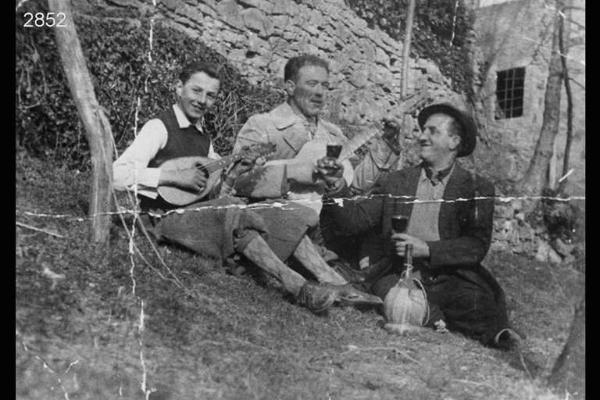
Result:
<point x="284" y="116"/>
<point x="183" y="121"/>
<point x="438" y="177"/>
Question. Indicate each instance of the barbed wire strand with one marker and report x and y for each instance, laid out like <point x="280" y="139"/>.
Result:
<point x="284" y="203"/>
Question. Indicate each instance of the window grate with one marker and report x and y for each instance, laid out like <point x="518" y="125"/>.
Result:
<point x="509" y="93"/>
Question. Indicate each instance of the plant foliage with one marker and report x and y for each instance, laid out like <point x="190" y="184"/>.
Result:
<point x="116" y="51"/>
<point x="437" y="34"/>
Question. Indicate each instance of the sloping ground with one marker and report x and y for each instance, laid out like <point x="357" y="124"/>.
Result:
<point x="213" y="335"/>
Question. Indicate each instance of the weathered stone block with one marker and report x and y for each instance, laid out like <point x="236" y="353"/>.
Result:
<point x="293" y="35"/>
<point x="262" y="5"/>
<point x="368" y="50"/>
<point x="316" y="20"/>
<point x="230" y="13"/>
<point x="206" y="10"/>
<point x="304" y="47"/>
<point x="359" y="78"/>
<point x="286" y="7"/>
<point x="381" y="57"/>
<point x="189" y="12"/>
<point x="545" y="253"/>
<point x="260" y="61"/>
<point x="210" y="3"/>
<point x="381" y="75"/>
<point x="229" y="36"/>
<point x="353" y="53"/>
<point x="357" y="108"/>
<point x="359" y="24"/>
<point x="325" y="43"/>
<point x="376" y="37"/>
<point x="124" y="3"/>
<point x="254" y="43"/>
<point x="280" y="21"/>
<point x="311" y="29"/>
<point x="339" y="63"/>
<point x="257" y="21"/>
<point x="344" y="34"/>
<point x="327" y="8"/>
<point x="276" y="66"/>
<point x="237" y="55"/>
<point x="277" y="44"/>
<point x="171" y="4"/>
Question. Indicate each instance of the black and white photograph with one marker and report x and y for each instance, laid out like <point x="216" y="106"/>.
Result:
<point x="300" y="199"/>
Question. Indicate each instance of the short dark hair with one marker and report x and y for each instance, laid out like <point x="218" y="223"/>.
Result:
<point x="290" y="72"/>
<point x="456" y="128"/>
<point x="198" y="66"/>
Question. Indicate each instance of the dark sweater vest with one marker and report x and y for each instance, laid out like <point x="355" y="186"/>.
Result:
<point x="181" y="142"/>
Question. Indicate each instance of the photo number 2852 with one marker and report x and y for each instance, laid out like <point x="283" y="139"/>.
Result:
<point x="40" y="19"/>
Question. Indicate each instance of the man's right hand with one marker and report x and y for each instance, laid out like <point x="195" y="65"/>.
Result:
<point x="191" y="179"/>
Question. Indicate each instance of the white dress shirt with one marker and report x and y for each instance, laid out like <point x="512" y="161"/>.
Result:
<point x="131" y="168"/>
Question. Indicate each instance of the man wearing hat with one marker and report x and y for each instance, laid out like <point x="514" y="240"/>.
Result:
<point x="449" y="214"/>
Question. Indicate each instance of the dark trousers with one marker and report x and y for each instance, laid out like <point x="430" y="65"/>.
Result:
<point x="469" y="301"/>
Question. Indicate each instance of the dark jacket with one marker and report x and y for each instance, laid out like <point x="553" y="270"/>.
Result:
<point x="456" y="281"/>
<point x="465" y="224"/>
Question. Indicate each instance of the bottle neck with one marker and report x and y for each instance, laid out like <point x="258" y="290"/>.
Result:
<point x="408" y="257"/>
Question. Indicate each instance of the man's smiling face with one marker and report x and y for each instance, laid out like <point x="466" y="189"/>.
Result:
<point x="437" y="140"/>
<point x="197" y="94"/>
<point x="307" y="93"/>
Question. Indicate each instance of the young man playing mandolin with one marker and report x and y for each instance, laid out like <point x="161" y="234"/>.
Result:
<point x="217" y="228"/>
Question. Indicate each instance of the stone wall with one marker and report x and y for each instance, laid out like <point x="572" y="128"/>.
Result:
<point x="513" y="232"/>
<point x="518" y="34"/>
<point x="259" y="36"/>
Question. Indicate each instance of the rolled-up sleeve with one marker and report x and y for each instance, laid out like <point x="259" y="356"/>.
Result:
<point x="130" y="170"/>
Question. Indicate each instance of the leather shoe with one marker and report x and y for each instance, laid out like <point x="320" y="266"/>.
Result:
<point x="347" y="272"/>
<point x="507" y="339"/>
<point x="316" y="297"/>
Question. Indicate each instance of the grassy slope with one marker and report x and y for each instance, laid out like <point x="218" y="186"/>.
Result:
<point x="232" y="337"/>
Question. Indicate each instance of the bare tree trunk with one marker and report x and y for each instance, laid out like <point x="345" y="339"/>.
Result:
<point x="563" y="57"/>
<point x="568" y="373"/>
<point x="97" y="128"/>
<point x="406" y="51"/>
<point x="536" y="176"/>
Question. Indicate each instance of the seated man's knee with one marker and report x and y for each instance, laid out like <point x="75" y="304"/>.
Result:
<point x="307" y="215"/>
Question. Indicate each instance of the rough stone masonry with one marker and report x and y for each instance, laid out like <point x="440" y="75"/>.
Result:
<point x="259" y="36"/>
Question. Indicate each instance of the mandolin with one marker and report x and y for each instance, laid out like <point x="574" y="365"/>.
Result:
<point x="212" y="168"/>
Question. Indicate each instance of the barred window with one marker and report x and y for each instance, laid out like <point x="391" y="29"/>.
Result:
<point x="509" y="93"/>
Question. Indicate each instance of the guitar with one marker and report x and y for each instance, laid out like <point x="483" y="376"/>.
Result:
<point x="317" y="148"/>
<point x="212" y="168"/>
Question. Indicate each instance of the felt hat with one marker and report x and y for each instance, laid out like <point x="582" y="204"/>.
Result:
<point x="468" y="133"/>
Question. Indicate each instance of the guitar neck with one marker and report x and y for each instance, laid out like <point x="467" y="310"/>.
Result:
<point x="354" y="144"/>
<point x="222" y="163"/>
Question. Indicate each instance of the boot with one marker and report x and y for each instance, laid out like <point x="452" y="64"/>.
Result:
<point x="259" y="252"/>
<point x="318" y="297"/>
<point x="309" y="257"/>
